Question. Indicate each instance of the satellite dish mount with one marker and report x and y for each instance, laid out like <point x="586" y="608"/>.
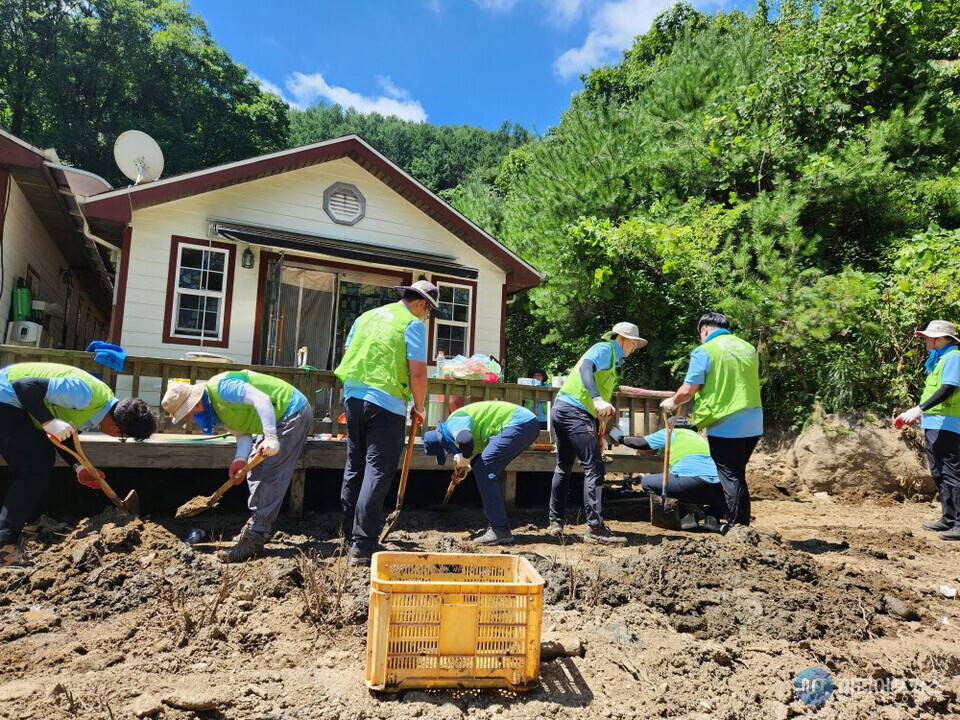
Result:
<point x="138" y="156"/>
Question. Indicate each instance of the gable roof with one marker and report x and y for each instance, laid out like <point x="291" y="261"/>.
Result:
<point x="111" y="211"/>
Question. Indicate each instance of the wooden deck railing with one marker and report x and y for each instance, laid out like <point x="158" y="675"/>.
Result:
<point x="148" y="377"/>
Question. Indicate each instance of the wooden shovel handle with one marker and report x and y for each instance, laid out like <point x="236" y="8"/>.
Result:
<point x="407" y="457"/>
<point x="237" y="477"/>
<point x="82" y="459"/>
<point x="666" y="449"/>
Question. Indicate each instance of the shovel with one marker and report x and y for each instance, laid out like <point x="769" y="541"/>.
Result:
<point x="664" y="511"/>
<point x="454" y="481"/>
<point x="203" y="502"/>
<point x="130" y="504"/>
<point x="392" y="517"/>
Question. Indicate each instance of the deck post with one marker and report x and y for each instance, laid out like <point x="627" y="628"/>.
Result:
<point x="510" y="490"/>
<point x="297" y="484"/>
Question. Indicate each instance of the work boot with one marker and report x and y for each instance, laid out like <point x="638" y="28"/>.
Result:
<point x="689" y="522"/>
<point x="13" y="555"/>
<point x="43" y="525"/>
<point x="555" y="529"/>
<point x="711" y="524"/>
<point x="937" y="525"/>
<point x="951" y="534"/>
<point x="495" y="537"/>
<point x="358" y="559"/>
<point x="249" y="545"/>
<point x="248" y="525"/>
<point x="601" y="534"/>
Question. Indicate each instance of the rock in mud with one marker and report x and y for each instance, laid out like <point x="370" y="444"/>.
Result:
<point x="145" y="706"/>
<point x="897" y="608"/>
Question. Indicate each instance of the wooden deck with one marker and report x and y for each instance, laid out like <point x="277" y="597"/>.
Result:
<point x="172" y="452"/>
<point x="176" y="447"/>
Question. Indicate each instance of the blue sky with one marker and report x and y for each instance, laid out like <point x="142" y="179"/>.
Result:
<point x="477" y="62"/>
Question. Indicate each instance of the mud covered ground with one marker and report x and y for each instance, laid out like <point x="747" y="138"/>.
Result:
<point x="120" y="619"/>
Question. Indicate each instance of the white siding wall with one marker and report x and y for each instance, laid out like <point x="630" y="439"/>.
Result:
<point x="292" y="201"/>
<point x="26" y="241"/>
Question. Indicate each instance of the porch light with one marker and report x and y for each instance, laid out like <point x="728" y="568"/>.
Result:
<point x="247" y="259"/>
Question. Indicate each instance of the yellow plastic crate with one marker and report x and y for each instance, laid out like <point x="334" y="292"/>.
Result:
<point x="446" y="620"/>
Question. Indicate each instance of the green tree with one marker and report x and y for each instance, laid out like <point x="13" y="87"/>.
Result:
<point x="77" y="73"/>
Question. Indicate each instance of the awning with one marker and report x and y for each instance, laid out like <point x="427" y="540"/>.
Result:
<point x="344" y="249"/>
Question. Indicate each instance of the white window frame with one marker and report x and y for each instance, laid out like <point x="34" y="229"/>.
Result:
<point x="179" y="291"/>
<point x="454" y="323"/>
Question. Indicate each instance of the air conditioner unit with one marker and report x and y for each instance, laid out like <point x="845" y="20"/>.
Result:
<point x="24" y="332"/>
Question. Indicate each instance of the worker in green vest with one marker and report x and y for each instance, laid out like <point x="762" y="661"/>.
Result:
<point x="939" y="414"/>
<point x="40" y="399"/>
<point x="247" y="403"/>
<point x="493" y="433"/>
<point x="583" y="399"/>
<point x="693" y="478"/>
<point x="724" y="379"/>
<point x="384" y="368"/>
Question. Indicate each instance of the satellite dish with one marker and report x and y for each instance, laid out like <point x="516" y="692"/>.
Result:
<point x="138" y="156"/>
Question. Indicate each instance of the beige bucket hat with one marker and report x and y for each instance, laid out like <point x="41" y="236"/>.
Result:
<point x="180" y="399"/>
<point x="627" y="330"/>
<point x="939" y="328"/>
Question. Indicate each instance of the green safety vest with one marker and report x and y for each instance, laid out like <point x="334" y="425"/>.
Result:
<point x="606" y="383"/>
<point x="377" y="355"/>
<point x="488" y="419"/>
<point x="241" y="417"/>
<point x="102" y="394"/>
<point x="951" y="406"/>
<point x="686" y="442"/>
<point x="732" y="384"/>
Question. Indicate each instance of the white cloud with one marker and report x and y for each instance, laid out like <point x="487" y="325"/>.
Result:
<point x="435" y="6"/>
<point x="392" y="90"/>
<point x="307" y="89"/>
<point x="564" y="11"/>
<point x="496" y="5"/>
<point x="613" y="26"/>
<point x="267" y="86"/>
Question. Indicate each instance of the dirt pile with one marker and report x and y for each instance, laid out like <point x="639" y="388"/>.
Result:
<point x="858" y="456"/>
<point x="119" y="618"/>
<point x="720" y="587"/>
<point x="848" y="456"/>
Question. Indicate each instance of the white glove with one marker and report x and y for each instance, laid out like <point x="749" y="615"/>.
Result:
<point x="908" y="417"/>
<point x="60" y="429"/>
<point x="269" y="445"/>
<point x="602" y="407"/>
<point x="669" y="405"/>
<point x="461" y="465"/>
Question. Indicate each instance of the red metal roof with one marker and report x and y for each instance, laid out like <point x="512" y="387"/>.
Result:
<point x="116" y="206"/>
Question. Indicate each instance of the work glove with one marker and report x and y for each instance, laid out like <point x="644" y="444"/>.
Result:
<point x="669" y="405"/>
<point x="269" y="446"/>
<point x="616" y="435"/>
<point x="236" y="466"/>
<point x="461" y="466"/>
<point x="602" y="407"/>
<point x="416" y="416"/>
<point x="908" y="417"/>
<point x="84" y="477"/>
<point x="60" y="429"/>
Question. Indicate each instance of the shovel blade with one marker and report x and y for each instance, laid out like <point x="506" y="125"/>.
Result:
<point x="388" y="525"/>
<point x="131" y="503"/>
<point x="195" y="506"/>
<point x="664" y="512"/>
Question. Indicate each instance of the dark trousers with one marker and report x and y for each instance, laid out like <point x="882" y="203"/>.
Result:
<point x="943" y="456"/>
<point x="731" y="456"/>
<point x="374" y="446"/>
<point x="30" y="457"/>
<point x="487" y="469"/>
<point x="576" y="432"/>
<point x="687" y="489"/>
